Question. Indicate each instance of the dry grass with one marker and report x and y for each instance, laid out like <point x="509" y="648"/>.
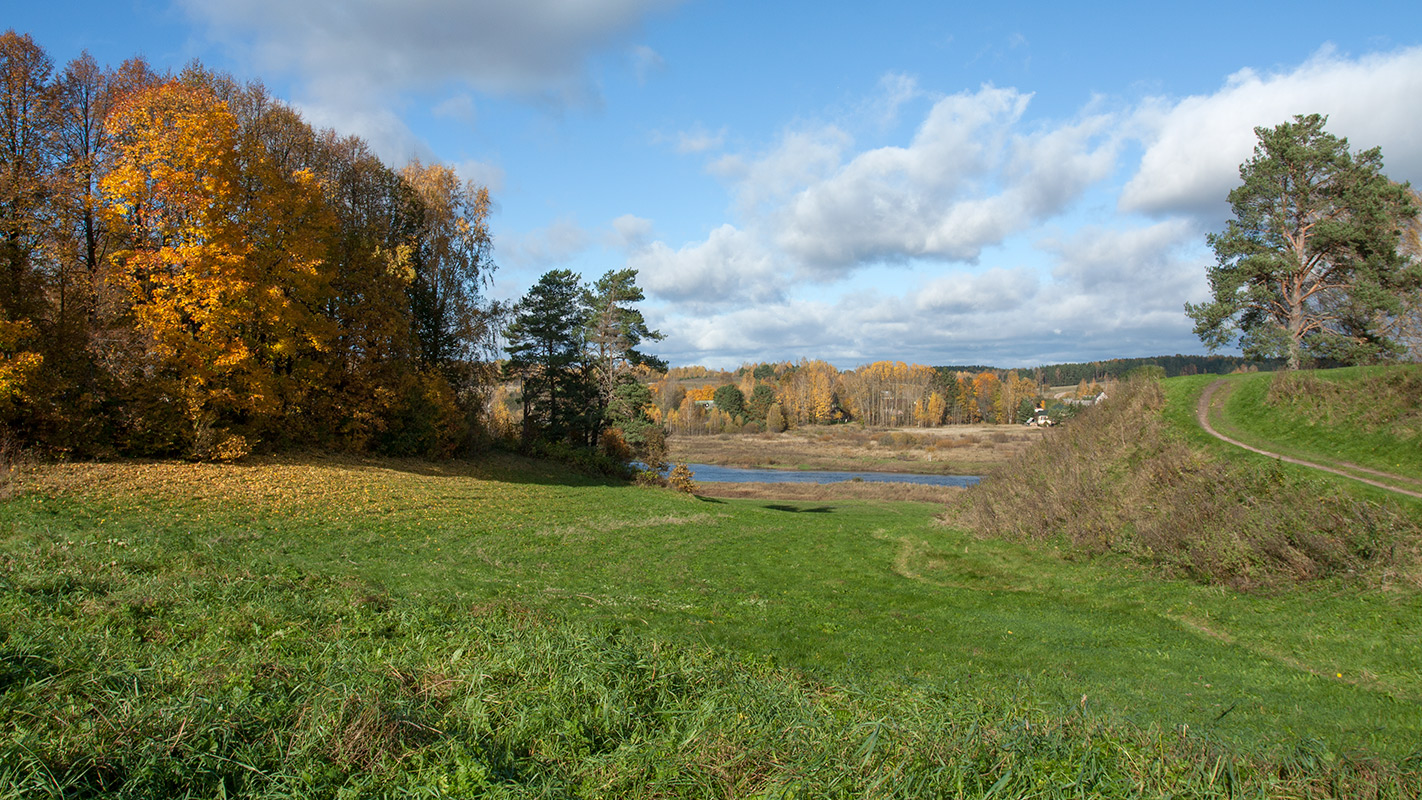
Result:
<point x="953" y="450"/>
<point x="843" y="490"/>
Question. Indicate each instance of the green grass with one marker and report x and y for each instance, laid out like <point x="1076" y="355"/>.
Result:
<point x="1330" y="428"/>
<point x="249" y="575"/>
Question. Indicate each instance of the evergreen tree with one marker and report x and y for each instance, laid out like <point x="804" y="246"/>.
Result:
<point x="546" y="351"/>
<point x="615" y="329"/>
<point x="1310" y="262"/>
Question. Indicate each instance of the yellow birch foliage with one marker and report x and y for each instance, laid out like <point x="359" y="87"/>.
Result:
<point x="17" y="367"/>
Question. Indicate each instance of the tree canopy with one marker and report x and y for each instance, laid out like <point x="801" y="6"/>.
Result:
<point x="187" y="268"/>
<point x="1309" y="264"/>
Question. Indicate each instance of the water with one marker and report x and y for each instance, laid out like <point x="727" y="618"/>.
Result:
<point x="710" y="473"/>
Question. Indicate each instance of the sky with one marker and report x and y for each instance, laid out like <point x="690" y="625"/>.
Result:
<point x="1011" y="184"/>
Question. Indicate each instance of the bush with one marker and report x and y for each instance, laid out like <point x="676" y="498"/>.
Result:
<point x="681" y="479"/>
<point x="583" y="459"/>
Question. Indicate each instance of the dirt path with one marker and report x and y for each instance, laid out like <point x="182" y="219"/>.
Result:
<point x="1202" y="414"/>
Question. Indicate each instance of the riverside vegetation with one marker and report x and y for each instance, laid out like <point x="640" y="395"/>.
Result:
<point x="330" y="627"/>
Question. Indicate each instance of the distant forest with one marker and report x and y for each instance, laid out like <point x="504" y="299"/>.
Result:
<point x="1092" y="371"/>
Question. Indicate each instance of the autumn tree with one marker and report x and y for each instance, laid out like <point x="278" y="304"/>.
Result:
<point x="25" y="172"/>
<point x="1310" y="261"/>
<point x="370" y="362"/>
<point x="186" y="267"/>
<point x="79" y="104"/>
<point x="775" y="419"/>
<point x="183" y="266"/>
<point x="453" y="265"/>
<point x="25" y="184"/>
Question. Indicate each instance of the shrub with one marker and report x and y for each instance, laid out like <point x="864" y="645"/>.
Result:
<point x="681" y="480"/>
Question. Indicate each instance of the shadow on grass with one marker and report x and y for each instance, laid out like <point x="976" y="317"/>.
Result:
<point x="797" y="510"/>
<point x="496" y="465"/>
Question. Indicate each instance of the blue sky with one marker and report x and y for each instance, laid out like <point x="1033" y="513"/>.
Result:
<point x="1009" y="184"/>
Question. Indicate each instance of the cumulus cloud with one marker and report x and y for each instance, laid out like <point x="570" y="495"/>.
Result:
<point x="1006" y="317"/>
<point x="977" y="181"/>
<point x="801" y="157"/>
<point x="730" y="268"/>
<point x="968" y="179"/>
<point x="1195" y="145"/>
<point x="1157" y="263"/>
<point x="995" y="290"/>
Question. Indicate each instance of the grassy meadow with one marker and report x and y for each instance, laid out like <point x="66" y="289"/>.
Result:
<point x="331" y="627"/>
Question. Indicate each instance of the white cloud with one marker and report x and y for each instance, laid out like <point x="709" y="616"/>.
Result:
<point x="974" y="184"/>
<point x="996" y="290"/>
<point x="354" y="60"/>
<point x="548" y="247"/>
<point x="967" y="180"/>
<point x="1195" y="145"/>
<point x="699" y="140"/>
<point x="380" y="127"/>
<point x="895" y="90"/>
<point x="502" y="46"/>
<point x="1004" y="317"/>
<point x="483" y="173"/>
<point x="801" y="157"/>
<point x="730" y="268"/>
<point x="631" y="232"/>
<point x="1162" y="262"/>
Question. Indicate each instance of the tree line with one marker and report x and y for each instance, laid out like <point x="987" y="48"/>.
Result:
<point x="187" y="268"/>
<point x="774" y="397"/>
<point x="1067" y="374"/>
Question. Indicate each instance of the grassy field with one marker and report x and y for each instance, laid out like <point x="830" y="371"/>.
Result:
<point x="327" y="613"/>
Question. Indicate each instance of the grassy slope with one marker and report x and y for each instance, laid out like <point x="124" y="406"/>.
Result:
<point x="848" y="592"/>
<point x="1337" y="435"/>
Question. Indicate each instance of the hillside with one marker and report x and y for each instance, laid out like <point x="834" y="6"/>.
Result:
<point x="1364" y="421"/>
<point x="1137" y="476"/>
